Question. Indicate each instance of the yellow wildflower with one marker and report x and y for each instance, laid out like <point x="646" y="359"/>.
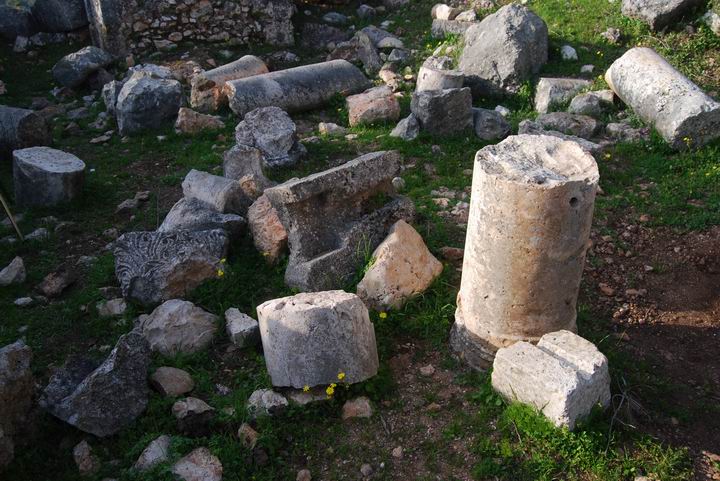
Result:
<point x="341" y="376"/>
<point x="220" y="272"/>
<point x="383" y="315"/>
<point x="330" y="390"/>
<point x="223" y="260"/>
<point x="306" y="388"/>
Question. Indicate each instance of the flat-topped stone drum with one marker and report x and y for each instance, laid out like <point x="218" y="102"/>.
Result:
<point x="530" y="214"/>
<point x="45" y="176"/>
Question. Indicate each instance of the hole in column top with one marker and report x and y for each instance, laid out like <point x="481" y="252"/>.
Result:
<point x="574" y="202"/>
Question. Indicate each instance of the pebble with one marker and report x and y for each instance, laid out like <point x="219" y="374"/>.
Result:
<point x="397" y="453"/>
<point x="428" y="370"/>
<point x="303" y="475"/>
<point x="366" y="470"/>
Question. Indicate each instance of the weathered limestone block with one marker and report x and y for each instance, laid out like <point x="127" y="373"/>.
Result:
<point x="532" y="200"/>
<point x="171" y="381"/>
<point x="308" y="339"/>
<point x="73" y="69"/>
<point x="442" y="28"/>
<point x="147" y="103"/>
<point x="680" y="111"/>
<point x="272" y="131"/>
<point x="21" y="128"/>
<point x="245" y="164"/>
<point x="296" y="89"/>
<point x="529" y="127"/>
<point x="443" y="112"/>
<point x="432" y="76"/>
<point x="110" y="93"/>
<point x="553" y="92"/>
<point x="442" y="11"/>
<point x="594" y="104"/>
<point x="195" y="215"/>
<point x="490" y="125"/>
<point x="504" y="50"/>
<point x="59" y="15"/>
<point x="158" y="451"/>
<point x="17" y="391"/>
<point x="199" y="465"/>
<point x="191" y="122"/>
<point x="658" y="14"/>
<point x="153" y="267"/>
<point x="578" y="125"/>
<point x="13" y="273"/>
<point x="402" y="268"/>
<point x="178" y="327"/>
<point x="44" y="177"/>
<point x="407" y="129"/>
<point x="208" y="88"/>
<point x="377" y="104"/>
<point x="242" y="329"/>
<point x="333" y="215"/>
<point x="109" y="397"/>
<point x="565" y="376"/>
<point x="223" y="195"/>
<point x="269" y="235"/>
<point x="361" y="49"/>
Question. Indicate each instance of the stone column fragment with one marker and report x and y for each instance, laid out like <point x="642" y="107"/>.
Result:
<point x="529" y="228"/>
<point x="208" y="92"/>
<point x="680" y="111"/>
<point x="296" y="89"/>
<point x="44" y="177"/>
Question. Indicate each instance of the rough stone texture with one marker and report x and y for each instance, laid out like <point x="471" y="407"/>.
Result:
<point x="121" y="26"/>
<point x="171" y="381"/>
<point x="208" y="92"/>
<point x="309" y="338"/>
<point x="443" y="112"/>
<point x="110" y="93"/>
<point x="403" y="267"/>
<point x="110" y="397"/>
<point x="152" y="267"/>
<point x="112" y="308"/>
<point x="442" y="28"/>
<point x="268" y="233"/>
<point x="178" y="327"/>
<point x="195" y="215"/>
<point x="658" y="14"/>
<point x="623" y="132"/>
<point x="45" y="177"/>
<point x="266" y="402"/>
<point x="158" y="451"/>
<point x="504" y="50"/>
<point x="74" y="69"/>
<point x="595" y="104"/>
<point x="490" y="125"/>
<point x="528" y="127"/>
<point x="332" y="216"/>
<point x="16" y="21"/>
<point x="407" y="129"/>
<point x="565" y="376"/>
<point x="711" y="18"/>
<point x="319" y="36"/>
<point x="532" y="199"/>
<point x="272" y="131"/>
<point x="665" y="98"/>
<point x="360" y="48"/>
<point x="13" y="273"/>
<point x="296" y="89"/>
<point x="357" y="408"/>
<point x="571" y="124"/>
<point x="199" y="465"/>
<point x="242" y="329"/>
<point x="86" y="461"/>
<point x="191" y="122"/>
<point x="147" y="103"/>
<point x="432" y="77"/>
<point x="20" y="129"/>
<point x="59" y="15"/>
<point x="377" y="104"/>
<point x="193" y="416"/>
<point x="17" y="391"/>
<point x="223" y="195"/>
<point x="245" y="164"/>
<point x="551" y="93"/>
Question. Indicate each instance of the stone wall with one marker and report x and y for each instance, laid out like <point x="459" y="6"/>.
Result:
<point x="122" y="26"/>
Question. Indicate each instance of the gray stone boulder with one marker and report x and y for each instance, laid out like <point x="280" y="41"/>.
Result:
<point x="490" y="125"/>
<point x="17" y="392"/>
<point x="222" y="194"/>
<point x="45" y="177"/>
<point x="245" y="164"/>
<point x="571" y="124"/>
<point x="359" y="49"/>
<point x="171" y="381"/>
<point x="552" y="93"/>
<point x="74" y="69"/>
<point x="158" y="451"/>
<point x="153" y="267"/>
<point x="193" y="416"/>
<point x="595" y="104"/>
<point x="109" y="94"/>
<point x="16" y="21"/>
<point x="332" y="216"/>
<point x="443" y="112"/>
<point x="407" y="129"/>
<point x="658" y="14"/>
<point x="59" y="15"/>
<point x="309" y="339"/>
<point x="21" y="128"/>
<point x="13" y="273"/>
<point x="434" y="76"/>
<point x="266" y="402"/>
<point x="199" y="465"/>
<point x="504" y="50"/>
<point x="564" y="376"/>
<point x="377" y="104"/>
<point x="178" y="327"/>
<point x="242" y="329"/>
<point x="110" y="397"/>
<point x="195" y="215"/>
<point x="147" y="103"/>
<point x="272" y="131"/>
<point x="530" y="127"/>
<point x="442" y="28"/>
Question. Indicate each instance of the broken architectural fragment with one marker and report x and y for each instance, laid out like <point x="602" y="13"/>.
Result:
<point x="564" y="376"/>
<point x="44" y="177"/>
<point x="436" y="74"/>
<point x="21" y="128"/>
<point x="147" y="103"/>
<point x="208" y="92"/>
<point x="529" y="228"/>
<point x="178" y="327"/>
<point x="334" y="216"/>
<point x="296" y="89"/>
<point x="309" y="339"/>
<point x="680" y="111"/>
<point x="196" y="215"/>
<point x="273" y="133"/>
<point x="552" y="93"/>
<point x="223" y="195"/>
<point x="377" y="104"/>
<point x="443" y="112"/>
<point x="153" y="267"/>
<point x="658" y="14"/>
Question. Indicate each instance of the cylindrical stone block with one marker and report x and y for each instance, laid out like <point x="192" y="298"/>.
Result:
<point x="316" y="339"/>
<point x="680" y="111"/>
<point x="208" y="88"/>
<point x="529" y="228"/>
<point x="45" y="176"/>
<point x="296" y="89"/>
<point x="435" y="79"/>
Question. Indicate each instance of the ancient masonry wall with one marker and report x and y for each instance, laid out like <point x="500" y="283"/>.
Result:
<point x="122" y="26"/>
